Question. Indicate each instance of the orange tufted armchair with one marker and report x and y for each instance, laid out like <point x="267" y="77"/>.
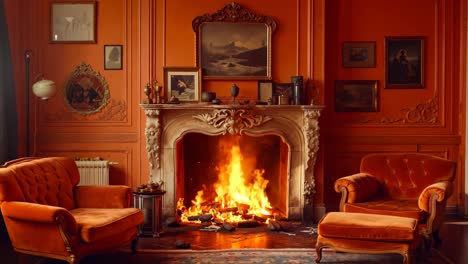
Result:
<point x="47" y="214"/>
<point x="401" y="184"/>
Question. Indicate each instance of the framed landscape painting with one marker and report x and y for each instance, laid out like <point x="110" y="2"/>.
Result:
<point x="356" y="96"/>
<point x="358" y="54"/>
<point x="234" y="43"/>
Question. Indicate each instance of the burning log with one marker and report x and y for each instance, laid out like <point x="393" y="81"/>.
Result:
<point x="193" y="218"/>
<point x="243" y="208"/>
<point x="226" y="210"/>
<point x="205" y="217"/>
<point x="260" y="218"/>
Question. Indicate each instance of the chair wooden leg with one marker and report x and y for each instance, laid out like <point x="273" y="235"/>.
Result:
<point x="437" y="239"/>
<point x="318" y="249"/>
<point x="134" y="246"/>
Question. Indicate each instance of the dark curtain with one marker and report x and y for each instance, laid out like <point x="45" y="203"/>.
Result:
<point x="8" y="116"/>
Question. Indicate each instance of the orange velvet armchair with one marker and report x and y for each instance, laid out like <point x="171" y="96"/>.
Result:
<point x="47" y="214"/>
<point x="401" y="184"/>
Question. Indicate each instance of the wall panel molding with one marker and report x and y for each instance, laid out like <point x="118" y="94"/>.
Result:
<point x="92" y="138"/>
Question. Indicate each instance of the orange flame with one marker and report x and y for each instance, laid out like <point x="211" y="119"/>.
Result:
<point x="237" y="195"/>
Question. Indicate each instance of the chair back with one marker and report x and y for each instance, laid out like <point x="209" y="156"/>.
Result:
<point x="48" y="181"/>
<point x="405" y="175"/>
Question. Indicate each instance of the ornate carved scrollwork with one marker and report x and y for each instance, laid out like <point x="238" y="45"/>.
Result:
<point x="311" y="134"/>
<point x="423" y="113"/>
<point x="309" y="192"/>
<point x="311" y="137"/>
<point x="233" y="12"/>
<point x="233" y="121"/>
<point x="153" y="137"/>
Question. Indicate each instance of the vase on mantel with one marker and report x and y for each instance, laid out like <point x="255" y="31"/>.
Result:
<point x="234" y="93"/>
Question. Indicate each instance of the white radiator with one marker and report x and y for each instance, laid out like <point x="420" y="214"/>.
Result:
<point x="93" y="172"/>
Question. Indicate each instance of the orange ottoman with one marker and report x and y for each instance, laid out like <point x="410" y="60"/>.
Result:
<point x="367" y="233"/>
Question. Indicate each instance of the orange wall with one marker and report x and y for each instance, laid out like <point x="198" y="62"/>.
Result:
<point x="415" y="120"/>
<point x="307" y="42"/>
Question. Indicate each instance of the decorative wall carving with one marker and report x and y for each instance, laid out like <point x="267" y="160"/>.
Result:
<point x="425" y="113"/>
<point x="153" y="137"/>
<point x="233" y="12"/>
<point x="233" y="121"/>
<point x="115" y="110"/>
<point x="311" y="134"/>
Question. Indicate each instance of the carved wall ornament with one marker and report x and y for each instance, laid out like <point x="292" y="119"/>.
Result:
<point x="311" y="134"/>
<point x="233" y="121"/>
<point x="309" y="191"/>
<point x="115" y="110"/>
<point x="86" y="91"/>
<point x="153" y="137"/>
<point x="233" y="12"/>
<point x="426" y="113"/>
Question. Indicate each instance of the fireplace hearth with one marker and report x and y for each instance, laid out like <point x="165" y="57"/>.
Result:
<point x="170" y="127"/>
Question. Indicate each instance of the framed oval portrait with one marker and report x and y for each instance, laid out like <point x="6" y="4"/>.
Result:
<point x="86" y="91"/>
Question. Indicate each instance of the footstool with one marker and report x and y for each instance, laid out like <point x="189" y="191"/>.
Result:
<point x="367" y="233"/>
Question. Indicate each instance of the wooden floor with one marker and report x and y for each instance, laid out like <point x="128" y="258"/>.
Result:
<point x="297" y="235"/>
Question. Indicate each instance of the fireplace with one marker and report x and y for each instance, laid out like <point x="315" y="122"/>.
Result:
<point x="181" y="141"/>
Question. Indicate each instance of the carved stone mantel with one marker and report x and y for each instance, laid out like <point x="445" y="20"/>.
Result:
<point x="298" y="127"/>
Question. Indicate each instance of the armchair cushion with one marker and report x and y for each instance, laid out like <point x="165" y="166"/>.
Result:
<point x="402" y="208"/>
<point x="97" y="223"/>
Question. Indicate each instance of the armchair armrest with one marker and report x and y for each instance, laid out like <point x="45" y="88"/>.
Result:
<point x="356" y="188"/>
<point x="439" y="191"/>
<point x="108" y="196"/>
<point x="34" y="226"/>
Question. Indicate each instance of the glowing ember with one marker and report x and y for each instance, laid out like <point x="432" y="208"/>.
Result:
<point x="238" y="196"/>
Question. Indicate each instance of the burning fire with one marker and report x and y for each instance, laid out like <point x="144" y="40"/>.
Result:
<point x="238" y="196"/>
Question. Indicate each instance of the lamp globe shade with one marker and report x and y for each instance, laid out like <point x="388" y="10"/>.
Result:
<point x="44" y="89"/>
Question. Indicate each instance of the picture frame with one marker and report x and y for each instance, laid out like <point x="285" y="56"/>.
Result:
<point x="265" y="90"/>
<point x="113" y="57"/>
<point x="184" y="83"/>
<point x="234" y="43"/>
<point x="86" y="91"/>
<point x="356" y="96"/>
<point x="358" y="54"/>
<point x="283" y="89"/>
<point x="404" y="62"/>
<point x="73" y="22"/>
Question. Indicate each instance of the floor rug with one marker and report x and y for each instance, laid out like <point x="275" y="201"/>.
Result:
<point x="251" y="256"/>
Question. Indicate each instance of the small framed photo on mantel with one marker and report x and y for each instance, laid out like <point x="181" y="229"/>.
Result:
<point x="183" y="83"/>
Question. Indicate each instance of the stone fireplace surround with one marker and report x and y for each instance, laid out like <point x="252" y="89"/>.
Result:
<point x="297" y="126"/>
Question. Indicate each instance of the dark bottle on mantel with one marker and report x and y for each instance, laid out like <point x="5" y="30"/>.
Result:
<point x="297" y="82"/>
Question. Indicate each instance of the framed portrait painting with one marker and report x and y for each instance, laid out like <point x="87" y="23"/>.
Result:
<point x="404" y="62"/>
<point x="73" y="22"/>
<point x="183" y="83"/>
<point x="356" y="96"/>
<point x="112" y="57"/>
<point x="357" y="54"/>
<point x="234" y="43"/>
